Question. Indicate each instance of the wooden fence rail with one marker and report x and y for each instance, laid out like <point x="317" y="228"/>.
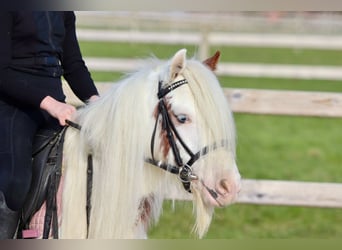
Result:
<point x="281" y="102"/>
<point x="230" y="69"/>
<point x="291" y="193"/>
<point x="276" y="102"/>
<point x="326" y="42"/>
<point x="275" y="192"/>
<point x="285" y="193"/>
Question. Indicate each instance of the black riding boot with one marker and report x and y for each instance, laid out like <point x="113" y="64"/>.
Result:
<point x="8" y="219"/>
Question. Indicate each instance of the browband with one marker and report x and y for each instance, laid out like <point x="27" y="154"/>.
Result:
<point x="164" y="91"/>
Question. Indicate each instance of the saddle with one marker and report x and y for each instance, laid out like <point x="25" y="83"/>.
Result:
<point x="46" y="173"/>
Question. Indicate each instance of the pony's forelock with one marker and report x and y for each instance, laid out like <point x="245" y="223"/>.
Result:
<point x="211" y="104"/>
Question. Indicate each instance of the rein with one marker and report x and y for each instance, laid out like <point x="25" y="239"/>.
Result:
<point x="89" y="174"/>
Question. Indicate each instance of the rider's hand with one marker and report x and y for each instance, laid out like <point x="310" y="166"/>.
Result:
<point x="60" y="110"/>
<point x="93" y="98"/>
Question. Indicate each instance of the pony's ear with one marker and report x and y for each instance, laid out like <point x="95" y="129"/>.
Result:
<point x="178" y="63"/>
<point x="211" y="62"/>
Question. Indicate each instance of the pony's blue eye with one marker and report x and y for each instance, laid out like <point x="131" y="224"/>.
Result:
<point x="182" y="118"/>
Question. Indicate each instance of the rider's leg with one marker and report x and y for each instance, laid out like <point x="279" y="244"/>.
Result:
<point x="17" y="129"/>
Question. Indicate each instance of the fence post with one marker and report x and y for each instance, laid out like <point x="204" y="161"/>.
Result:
<point x="204" y="43"/>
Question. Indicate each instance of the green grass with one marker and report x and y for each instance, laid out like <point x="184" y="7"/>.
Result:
<point x="241" y="221"/>
<point x="289" y="148"/>
<point x="282" y="56"/>
<point x="281" y="84"/>
<point x="132" y="50"/>
<point x="106" y="76"/>
<point x="269" y="147"/>
<point x="229" y="54"/>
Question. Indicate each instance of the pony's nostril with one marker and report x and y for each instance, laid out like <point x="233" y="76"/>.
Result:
<point x="224" y="187"/>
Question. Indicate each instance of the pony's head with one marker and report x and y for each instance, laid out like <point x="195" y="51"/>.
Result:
<point x="194" y="134"/>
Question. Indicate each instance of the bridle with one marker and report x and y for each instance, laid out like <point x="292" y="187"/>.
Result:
<point x="183" y="170"/>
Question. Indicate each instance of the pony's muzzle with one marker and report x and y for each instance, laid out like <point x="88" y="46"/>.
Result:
<point x="223" y="193"/>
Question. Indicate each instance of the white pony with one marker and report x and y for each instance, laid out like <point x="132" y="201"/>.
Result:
<point x="132" y="134"/>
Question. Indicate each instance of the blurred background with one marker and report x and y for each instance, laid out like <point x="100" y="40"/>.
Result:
<point x="295" y="55"/>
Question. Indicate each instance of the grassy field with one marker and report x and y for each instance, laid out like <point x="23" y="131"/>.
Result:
<point x="229" y="54"/>
<point x="269" y="147"/>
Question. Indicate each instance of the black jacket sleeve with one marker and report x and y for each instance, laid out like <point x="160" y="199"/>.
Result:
<point x="75" y="71"/>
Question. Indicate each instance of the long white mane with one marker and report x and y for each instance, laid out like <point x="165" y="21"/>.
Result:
<point x="116" y="131"/>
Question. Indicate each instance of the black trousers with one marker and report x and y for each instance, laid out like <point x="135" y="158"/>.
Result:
<point x="18" y="126"/>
